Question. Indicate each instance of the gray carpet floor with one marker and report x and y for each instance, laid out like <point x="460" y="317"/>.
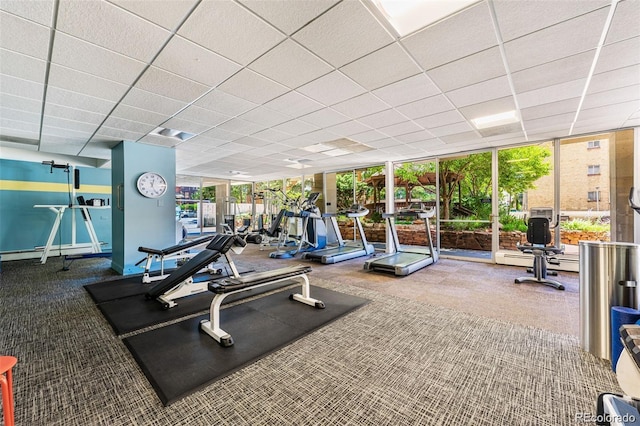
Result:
<point x="399" y="360"/>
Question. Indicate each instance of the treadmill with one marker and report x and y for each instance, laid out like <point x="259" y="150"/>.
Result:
<point x="344" y="250"/>
<point x="408" y="259"/>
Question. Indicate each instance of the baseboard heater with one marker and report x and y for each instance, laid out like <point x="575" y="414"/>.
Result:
<point x="567" y="263"/>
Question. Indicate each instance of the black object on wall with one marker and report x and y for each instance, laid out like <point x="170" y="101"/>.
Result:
<point x="76" y="178"/>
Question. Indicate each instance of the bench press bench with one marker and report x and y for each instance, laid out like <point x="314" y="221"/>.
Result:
<point x="180" y="282"/>
<point x="178" y="251"/>
<point x="237" y="284"/>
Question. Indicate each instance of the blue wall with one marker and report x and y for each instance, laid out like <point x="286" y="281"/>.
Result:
<point x="24" y="184"/>
<point x="141" y="221"/>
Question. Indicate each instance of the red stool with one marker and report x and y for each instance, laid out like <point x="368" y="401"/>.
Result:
<point x="6" y="364"/>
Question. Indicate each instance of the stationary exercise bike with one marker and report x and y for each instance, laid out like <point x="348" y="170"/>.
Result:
<point x="538" y="239"/>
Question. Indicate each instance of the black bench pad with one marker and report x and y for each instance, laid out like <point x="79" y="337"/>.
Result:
<point x="232" y="284"/>
<point x="177" y="247"/>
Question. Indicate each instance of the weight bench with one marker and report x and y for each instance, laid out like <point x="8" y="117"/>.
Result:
<point x="180" y="282"/>
<point x="237" y="284"/>
<point x="178" y="251"/>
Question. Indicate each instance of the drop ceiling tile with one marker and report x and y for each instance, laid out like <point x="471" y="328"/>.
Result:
<point x="400" y="128"/>
<point x="553" y="122"/>
<point x="451" y="129"/>
<point x="68" y="79"/>
<point x="272" y="135"/>
<point x="332" y="88"/>
<point x="461" y="139"/>
<point x="554" y="93"/>
<point x="294" y="104"/>
<point x="111" y="27"/>
<point x="19" y="87"/>
<point x="150" y="139"/>
<point x="516" y="19"/>
<point x="37" y="11"/>
<point x="382" y="67"/>
<point x="324" y="118"/>
<point x="425" y="107"/>
<point x="74" y="53"/>
<point x="383" y="118"/>
<point x="621" y="77"/>
<point x="170" y="85"/>
<point x="222" y="134"/>
<point x="239" y="126"/>
<point x="184" y="125"/>
<point x="20" y="103"/>
<point x="187" y="59"/>
<point x="128" y="125"/>
<point x="166" y="13"/>
<point x="63" y="132"/>
<point x="385" y="144"/>
<point x="552" y="108"/>
<point x="77" y="100"/>
<point x="22" y="36"/>
<point x="143" y="99"/>
<point x="486" y="65"/>
<point x="494" y="106"/>
<point x="295" y="127"/>
<point x="480" y="92"/>
<point x="565" y="39"/>
<point x="368" y="136"/>
<point x="419" y="136"/>
<point x="99" y="148"/>
<point x="625" y="22"/>
<point x="253" y="87"/>
<point x="236" y="147"/>
<point x="345" y="33"/>
<point x="613" y="96"/>
<point x="286" y="15"/>
<point x="619" y="55"/>
<point x="440" y="119"/>
<point x="22" y="66"/>
<point x="229" y="29"/>
<point x="319" y="136"/>
<point x="200" y="115"/>
<point x="348" y="128"/>
<point x="290" y="65"/>
<point x="555" y="72"/>
<point x="407" y="90"/>
<point x="365" y="104"/>
<point x="18" y="115"/>
<point x="61" y="145"/>
<point x="200" y="142"/>
<point x="69" y="113"/>
<point x="252" y="142"/>
<point x="19" y="128"/>
<point x="225" y="103"/>
<point x="61" y="123"/>
<point x="466" y="33"/>
<point x="265" y="117"/>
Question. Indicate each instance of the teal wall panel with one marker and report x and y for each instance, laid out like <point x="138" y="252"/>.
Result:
<point x="141" y="221"/>
<point x="24" y="184"/>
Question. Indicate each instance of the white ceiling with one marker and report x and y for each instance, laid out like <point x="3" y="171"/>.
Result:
<point x="258" y="81"/>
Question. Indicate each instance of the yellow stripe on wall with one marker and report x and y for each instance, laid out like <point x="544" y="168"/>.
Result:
<point x="20" y="185"/>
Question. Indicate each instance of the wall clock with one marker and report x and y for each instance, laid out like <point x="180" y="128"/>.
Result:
<point x="151" y="185"/>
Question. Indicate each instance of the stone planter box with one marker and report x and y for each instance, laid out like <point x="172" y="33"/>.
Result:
<point x="469" y="240"/>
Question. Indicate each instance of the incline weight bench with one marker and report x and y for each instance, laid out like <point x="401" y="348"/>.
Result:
<point x="180" y="282"/>
<point x="237" y="284"/>
<point x="179" y="251"/>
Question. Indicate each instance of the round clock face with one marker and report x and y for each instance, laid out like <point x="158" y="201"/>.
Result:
<point x="151" y="185"/>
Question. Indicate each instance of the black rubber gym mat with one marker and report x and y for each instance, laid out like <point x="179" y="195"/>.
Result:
<point x="179" y="359"/>
<point x="132" y="285"/>
<point x="136" y="312"/>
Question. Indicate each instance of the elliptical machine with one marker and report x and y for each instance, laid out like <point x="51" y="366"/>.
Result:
<point x="305" y="225"/>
